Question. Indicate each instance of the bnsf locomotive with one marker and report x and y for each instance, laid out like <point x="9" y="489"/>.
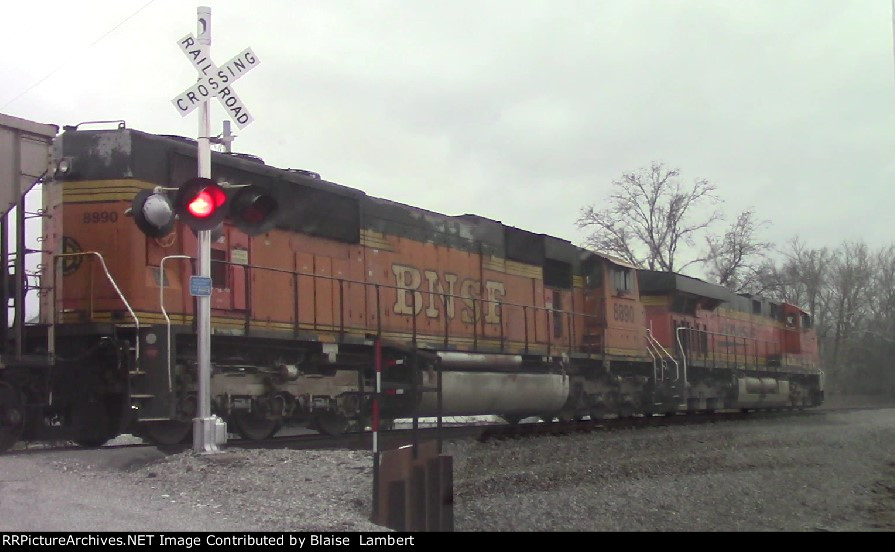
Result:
<point x="518" y="324"/>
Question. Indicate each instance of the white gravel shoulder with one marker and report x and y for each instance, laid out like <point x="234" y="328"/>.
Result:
<point x="52" y="492"/>
<point x="271" y="490"/>
<point x="235" y="490"/>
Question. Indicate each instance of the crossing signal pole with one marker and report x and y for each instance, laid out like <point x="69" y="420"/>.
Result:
<point x="203" y="204"/>
<point x="204" y="433"/>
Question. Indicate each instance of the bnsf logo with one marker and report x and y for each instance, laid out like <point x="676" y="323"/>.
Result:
<point x="408" y="280"/>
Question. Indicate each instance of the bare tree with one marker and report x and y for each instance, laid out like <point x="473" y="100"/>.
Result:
<point x="802" y="279"/>
<point x="737" y="259"/>
<point x="850" y="276"/>
<point x="648" y="217"/>
<point x="850" y="293"/>
<point x="877" y="346"/>
<point x="808" y="269"/>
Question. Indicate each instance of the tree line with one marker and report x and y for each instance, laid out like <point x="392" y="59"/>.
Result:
<point x="656" y="221"/>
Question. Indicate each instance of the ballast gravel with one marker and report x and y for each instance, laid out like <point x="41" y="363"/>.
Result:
<point x="824" y="471"/>
<point x="815" y="472"/>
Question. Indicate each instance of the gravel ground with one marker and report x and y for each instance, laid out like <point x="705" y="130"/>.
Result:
<point x="274" y="490"/>
<point x="819" y="472"/>
<point x="828" y="471"/>
<point x="239" y="490"/>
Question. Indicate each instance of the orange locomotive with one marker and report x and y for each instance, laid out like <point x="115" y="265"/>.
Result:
<point x="519" y="324"/>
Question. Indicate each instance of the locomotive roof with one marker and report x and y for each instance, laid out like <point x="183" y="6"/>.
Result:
<point x="130" y="153"/>
<point x="655" y="282"/>
<point x="308" y="205"/>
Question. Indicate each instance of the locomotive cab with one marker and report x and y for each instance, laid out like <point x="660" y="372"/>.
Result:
<point x="614" y="315"/>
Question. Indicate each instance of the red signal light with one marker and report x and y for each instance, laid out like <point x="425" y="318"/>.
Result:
<point x="201" y="203"/>
<point x="206" y="202"/>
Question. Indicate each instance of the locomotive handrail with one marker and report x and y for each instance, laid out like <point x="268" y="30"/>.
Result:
<point x="51" y="334"/>
<point x="651" y="354"/>
<point x="727" y="345"/>
<point x="475" y="307"/>
<point x="736" y="360"/>
<point x="677" y="368"/>
<point x="652" y="341"/>
<point x="445" y="296"/>
<point x="684" y="361"/>
<point x="161" y="300"/>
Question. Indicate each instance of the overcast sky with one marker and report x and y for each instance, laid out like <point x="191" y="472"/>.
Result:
<point x="520" y="111"/>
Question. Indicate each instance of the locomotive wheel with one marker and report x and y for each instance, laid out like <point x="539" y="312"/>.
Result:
<point x="91" y="420"/>
<point x="168" y="432"/>
<point x="331" y="424"/>
<point x="626" y="410"/>
<point x="12" y="416"/>
<point x="252" y="427"/>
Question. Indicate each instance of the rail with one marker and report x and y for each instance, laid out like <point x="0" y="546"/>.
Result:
<point x="51" y="333"/>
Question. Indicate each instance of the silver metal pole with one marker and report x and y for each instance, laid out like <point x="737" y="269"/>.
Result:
<point x="204" y="439"/>
<point x="228" y="135"/>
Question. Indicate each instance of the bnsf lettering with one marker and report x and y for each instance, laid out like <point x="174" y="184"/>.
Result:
<point x="410" y="300"/>
<point x="99" y="217"/>
<point x="737" y="331"/>
<point x="623" y="313"/>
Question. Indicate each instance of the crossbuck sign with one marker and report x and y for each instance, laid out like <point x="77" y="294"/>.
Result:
<point x="215" y="82"/>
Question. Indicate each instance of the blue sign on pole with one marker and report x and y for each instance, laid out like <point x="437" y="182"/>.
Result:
<point x="200" y="286"/>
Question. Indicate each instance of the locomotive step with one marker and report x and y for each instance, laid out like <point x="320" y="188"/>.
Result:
<point x="141" y="396"/>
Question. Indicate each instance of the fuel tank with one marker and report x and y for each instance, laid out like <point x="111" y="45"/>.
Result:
<point x="471" y="393"/>
<point x="762" y="392"/>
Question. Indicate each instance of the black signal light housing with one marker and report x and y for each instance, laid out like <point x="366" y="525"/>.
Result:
<point x="254" y="210"/>
<point x="153" y="213"/>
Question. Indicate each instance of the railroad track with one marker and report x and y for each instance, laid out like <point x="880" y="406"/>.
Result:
<point x="395" y="438"/>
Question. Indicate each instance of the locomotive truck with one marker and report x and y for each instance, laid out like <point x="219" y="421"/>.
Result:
<point x="305" y="287"/>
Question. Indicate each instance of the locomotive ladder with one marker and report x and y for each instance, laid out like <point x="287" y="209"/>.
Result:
<point x="15" y="285"/>
<point x="127" y="335"/>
